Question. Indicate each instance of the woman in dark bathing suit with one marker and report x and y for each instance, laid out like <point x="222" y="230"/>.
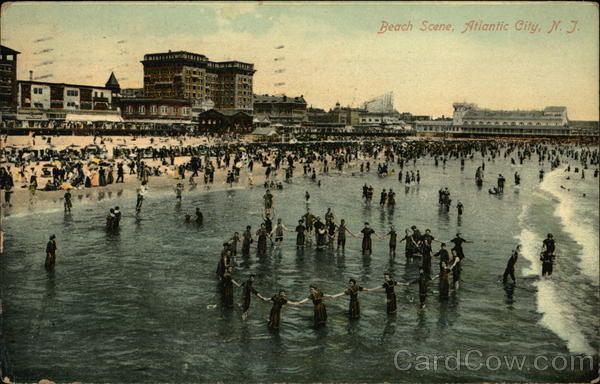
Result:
<point x="227" y="287"/>
<point x="262" y="240"/>
<point x="320" y="312"/>
<point x="246" y="241"/>
<point x="278" y="301"/>
<point x="354" y="305"/>
<point x="388" y="286"/>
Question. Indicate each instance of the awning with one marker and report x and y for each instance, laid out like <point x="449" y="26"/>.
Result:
<point x="159" y="121"/>
<point x="94" y="117"/>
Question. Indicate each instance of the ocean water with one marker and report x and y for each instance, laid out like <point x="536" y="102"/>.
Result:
<point x="138" y="306"/>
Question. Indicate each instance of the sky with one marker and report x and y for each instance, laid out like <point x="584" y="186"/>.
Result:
<point x="330" y="52"/>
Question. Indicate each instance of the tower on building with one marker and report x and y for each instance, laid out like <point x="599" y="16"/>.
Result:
<point x="113" y="84"/>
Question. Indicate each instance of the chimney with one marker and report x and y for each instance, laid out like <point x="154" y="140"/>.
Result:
<point x="30" y="75"/>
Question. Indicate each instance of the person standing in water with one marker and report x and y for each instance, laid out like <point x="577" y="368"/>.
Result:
<point x="459" y="208"/>
<point x="383" y="198"/>
<point x="278" y="232"/>
<point x="278" y="301"/>
<point x="389" y="286"/>
<point x="178" y="191"/>
<point x="444" y="285"/>
<point x="458" y="242"/>
<point x="225" y="261"/>
<point x="300" y="234"/>
<point x="320" y="233"/>
<point x="411" y="246"/>
<point x="261" y="246"/>
<point x="227" y="287"/>
<point x="235" y="239"/>
<point x="199" y="216"/>
<point x="68" y="203"/>
<point x="393" y="241"/>
<point x="50" y="253"/>
<point x="547" y="257"/>
<point x="141" y="192"/>
<point x="423" y="281"/>
<point x="443" y="255"/>
<point x="367" y="242"/>
<point x="268" y="200"/>
<point x="352" y="291"/>
<point x="309" y="220"/>
<point x="455" y="267"/>
<point x="248" y="291"/>
<point x="320" y="312"/>
<point x="510" y="266"/>
<point x="391" y="199"/>
<point x="341" y="235"/>
<point x="246" y="241"/>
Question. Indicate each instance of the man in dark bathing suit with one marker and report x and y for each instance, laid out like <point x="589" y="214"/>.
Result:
<point x="458" y="242"/>
<point x="248" y="291"/>
<point x="300" y="234"/>
<point x="510" y="266"/>
<point x="443" y="255"/>
<point x="423" y="281"/>
<point x="547" y="257"/>
<point x="393" y="242"/>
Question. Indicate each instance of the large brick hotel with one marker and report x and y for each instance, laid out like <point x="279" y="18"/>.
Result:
<point x="191" y="76"/>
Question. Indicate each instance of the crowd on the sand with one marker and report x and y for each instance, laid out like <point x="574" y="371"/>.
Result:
<point x="315" y="159"/>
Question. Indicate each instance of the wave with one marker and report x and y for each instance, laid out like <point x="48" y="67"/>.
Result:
<point x="557" y="315"/>
<point x="574" y="224"/>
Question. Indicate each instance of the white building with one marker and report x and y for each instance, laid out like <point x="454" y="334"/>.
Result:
<point x="470" y="120"/>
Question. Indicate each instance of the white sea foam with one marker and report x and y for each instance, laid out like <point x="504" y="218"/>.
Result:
<point x="577" y="225"/>
<point x="557" y="315"/>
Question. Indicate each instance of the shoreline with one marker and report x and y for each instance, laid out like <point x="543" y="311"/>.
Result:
<point x="21" y="203"/>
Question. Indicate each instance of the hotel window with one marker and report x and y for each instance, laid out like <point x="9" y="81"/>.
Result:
<point x="9" y="57"/>
<point x="163" y="110"/>
<point x="142" y="109"/>
<point x="38" y="91"/>
<point x="130" y="109"/>
<point x="153" y="109"/>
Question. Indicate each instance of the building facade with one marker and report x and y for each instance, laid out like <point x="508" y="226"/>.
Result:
<point x="281" y="109"/>
<point x="469" y="120"/>
<point x="191" y="76"/>
<point x="318" y="115"/>
<point x="142" y="109"/>
<point x="219" y="122"/>
<point x="346" y="115"/>
<point x="130" y="93"/>
<point x="8" y="79"/>
<point x="38" y="100"/>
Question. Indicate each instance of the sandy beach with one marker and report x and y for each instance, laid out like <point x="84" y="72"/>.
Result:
<point x="22" y="201"/>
